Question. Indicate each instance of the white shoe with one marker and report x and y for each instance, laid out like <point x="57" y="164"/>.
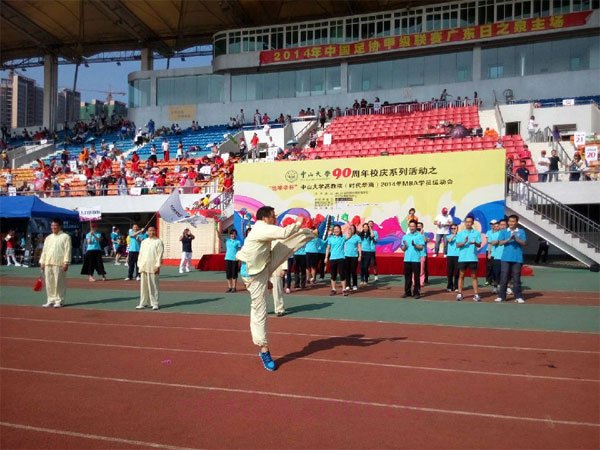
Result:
<point x="155" y="308"/>
<point x="127" y="279"/>
<point x="354" y="288"/>
<point x="494" y="290"/>
<point x="47" y="304"/>
<point x="17" y="265"/>
<point x="459" y="298"/>
<point x="376" y="278"/>
<point x="8" y="264"/>
<point x="180" y="271"/>
<point x="140" y="307"/>
<point x="287" y="290"/>
<point x="187" y="269"/>
<point x="347" y="288"/>
<point x="476" y="298"/>
<point x="117" y="263"/>
<point x="520" y="300"/>
<point x="57" y="305"/>
<point x="137" y="279"/>
<point x="509" y="291"/>
<point x="498" y="300"/>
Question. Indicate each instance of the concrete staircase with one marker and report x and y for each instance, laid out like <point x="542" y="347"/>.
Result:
<point x="487" y="119"/>
<point x="560" y="225"/>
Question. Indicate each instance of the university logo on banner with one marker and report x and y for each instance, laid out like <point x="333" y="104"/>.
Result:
<point x="90" y="214"/>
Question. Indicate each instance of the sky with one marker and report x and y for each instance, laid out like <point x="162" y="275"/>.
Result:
<point x="104" y="76"/>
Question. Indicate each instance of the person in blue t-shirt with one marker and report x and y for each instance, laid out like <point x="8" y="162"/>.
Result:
<point x="114" y="240"/>
<point x="232" y="246"/>
<point x="92" y="260"/>
<point x="452" y="259"/>
<point x="334" y="254"/>
<point x="413" y="244"/>
<point x="321" y="266"/>
<point x="375" y="238"/>
<point x="513" y="239"/>
<point x="352" y="254"/>
<point x="495" y="253"/>
<point x="312" y="258"/>
<point x="368" y="240"/>
<point x="136" y="236"/>
<point x="468" y="241"/>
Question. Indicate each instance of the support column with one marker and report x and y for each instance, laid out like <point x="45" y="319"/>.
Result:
<point x="50" y="91"/>
<point x="227" y="87"/>
<point x="344" y="78"/>
<point x="147" y="60"/>
<point x="476" y="70"/>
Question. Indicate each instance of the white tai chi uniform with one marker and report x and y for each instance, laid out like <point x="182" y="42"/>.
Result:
<point x="55" y="254"/>
<point x="262" y="261"/>
<point x="149" y="261"/>
<point x="277" y="282"/>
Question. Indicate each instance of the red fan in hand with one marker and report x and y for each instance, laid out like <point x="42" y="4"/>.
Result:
<point x="39" y="283"/>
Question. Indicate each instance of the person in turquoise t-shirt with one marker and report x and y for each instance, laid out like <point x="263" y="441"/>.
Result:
<point x="92" y="260"/>
<point x="368" y="239"/>
<point x="513" y="239"/>
<point x="114" y="240"/>
<point x="232" y="246"/>
<point x="468" y="241"/>
<point x="413" y="244"/>
<point x="312" y="258"/>
<point x="375" y="238"/>
<point x="352" y="254"/>
<point x="136" y="236"/>
<point x="321" y="265"/>
<point x="334" y="254"/>
<point x="452" y="259"/>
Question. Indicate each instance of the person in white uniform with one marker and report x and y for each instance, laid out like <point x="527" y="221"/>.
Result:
<point x="261" y="259"/>
<point x="149" y="261"/>
<point x="54" y="263"/>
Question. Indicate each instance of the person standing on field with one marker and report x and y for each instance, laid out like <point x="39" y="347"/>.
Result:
<point x="149" y="262"/>
<point x="54" y="263"/>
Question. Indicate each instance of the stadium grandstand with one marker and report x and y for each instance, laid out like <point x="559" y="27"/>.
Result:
<point x="367" y="115"/>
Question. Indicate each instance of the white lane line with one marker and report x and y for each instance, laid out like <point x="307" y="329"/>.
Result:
<point x="288" y="333"/>
<point x="308" y="397"/>
<point x="94" y="437"/>
<point x="321" y="360"/>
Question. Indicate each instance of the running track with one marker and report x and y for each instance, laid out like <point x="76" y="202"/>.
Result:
<point x="75" y="378"/>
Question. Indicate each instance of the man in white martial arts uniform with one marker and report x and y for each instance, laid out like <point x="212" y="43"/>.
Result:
<point x="260" y="262"/>
<point x="54" y="263"/>
<point x="149" y="261"/>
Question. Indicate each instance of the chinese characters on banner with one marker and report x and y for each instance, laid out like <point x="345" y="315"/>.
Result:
<point x="389" y="43"/>
<point x="379" y="187"/>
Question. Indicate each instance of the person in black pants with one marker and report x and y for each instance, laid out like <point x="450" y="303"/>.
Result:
<point x="136" y="236"/>
<point x="452" y="259"/>
<point x="288" y="275"/>
<point x="300" y="268"/>
<point x="542" y="252"/>
<point x="412" y="244"/>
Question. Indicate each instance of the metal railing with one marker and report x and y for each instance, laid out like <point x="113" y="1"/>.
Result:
<point x="564" y="217"/>
<point x="499" y="118"/>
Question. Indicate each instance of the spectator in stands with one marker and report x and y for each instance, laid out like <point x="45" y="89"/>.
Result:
<point x="553" y="166"/>
<point x="241" y="119"/>
<point x="254" y="146"/>
<point x="377" y="105"/>
<point x="165" y="149"/>
<point x="153" y="156"/>
<point x="524" y="153"/>
<point x="542" y="166"/>
<point x="577" y="168"/>
<point x="322" y="117"/>
<point x="532" y="128"/>
<point x="444" y="96"/>
<point x="555" y="136"/>
<point x="257" y="118"/>
<point x="281" y="119"/>
<point x="5" y="133"/>
<point x="179" y="154"/>
<point x="491" y="133"/>
<point x="122" y="185"/>
<point x="476" y="100"/>
<point x="135" y="162"/>
<point x="522" y="175"/>
<point x="243" y="148"/>
<point x="5" y="160"/>
<point x="150" y="126"/>
<point x="265" y="119"/>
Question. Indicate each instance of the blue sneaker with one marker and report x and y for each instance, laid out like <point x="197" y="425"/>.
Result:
<point x="267" y="361"/>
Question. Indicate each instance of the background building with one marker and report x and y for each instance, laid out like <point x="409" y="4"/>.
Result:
<point x="68" y="106"/>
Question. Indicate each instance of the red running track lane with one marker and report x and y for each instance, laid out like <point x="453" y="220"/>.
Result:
<point x="373" y="414"/>
<point x="380" y="290"/>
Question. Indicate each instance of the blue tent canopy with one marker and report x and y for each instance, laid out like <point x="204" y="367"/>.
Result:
<point x="26" y="207"/>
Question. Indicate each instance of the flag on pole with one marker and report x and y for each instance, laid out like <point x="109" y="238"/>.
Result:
<point x="171" y="211"/>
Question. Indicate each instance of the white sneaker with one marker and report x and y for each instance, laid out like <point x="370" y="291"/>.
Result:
<point x="354" y="288"/>
<point x="57" y="305"/>
<point x="287" y="290"/>
<point x="127" y="279"/>
<point x="376" y="278"/>
<point x="459" y="297"/>
<point x="180" y="271"/>
<point x="47" y="304"/>
<point x="17" y="265"/>
<point x="509" y="291"/>
<point x="137" y="279"/>
<point x="498" y="300"/>
<point x="155" y="308"/>
<point x="476" y="298"/>
<point x="140" y="307"/>
<point x="520" y="300"/>
<point x="117" y="263"/>
<point x="347" y="288"/>
<point x="8" y="264"/>
<point x="187" y="269"/>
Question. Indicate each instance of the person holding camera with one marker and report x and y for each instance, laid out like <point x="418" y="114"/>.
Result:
<point x="413" y="244"/>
